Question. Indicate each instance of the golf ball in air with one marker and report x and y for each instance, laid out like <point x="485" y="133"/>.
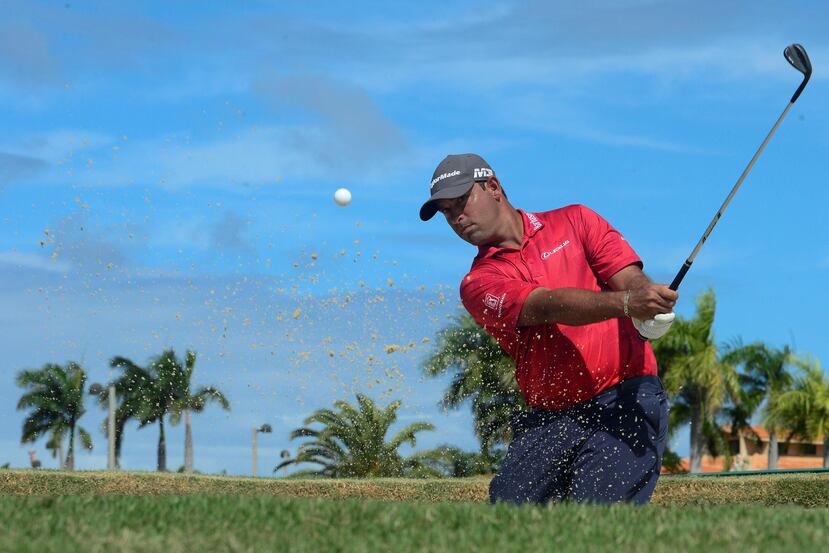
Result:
<point x="342" y="196"/>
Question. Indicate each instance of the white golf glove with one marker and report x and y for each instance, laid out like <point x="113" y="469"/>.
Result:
<point x="656" y="327"/>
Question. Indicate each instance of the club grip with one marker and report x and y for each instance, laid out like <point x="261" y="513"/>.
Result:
<point x="675" y="284"/>
<point x="679" y="276"/>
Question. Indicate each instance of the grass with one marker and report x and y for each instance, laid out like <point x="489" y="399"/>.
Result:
<point x="98" y="511"/>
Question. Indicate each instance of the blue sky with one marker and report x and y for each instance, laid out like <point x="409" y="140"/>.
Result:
<point x="167" y="174"/>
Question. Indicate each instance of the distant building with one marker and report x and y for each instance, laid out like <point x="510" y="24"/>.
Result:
<point x="750" y="451"/>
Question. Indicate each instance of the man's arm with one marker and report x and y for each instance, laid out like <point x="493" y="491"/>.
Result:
<point x="646" y="298"/>
<point x="574" y="306"/>
<point x="570" y="306"/>
<point x="629" y="278"/>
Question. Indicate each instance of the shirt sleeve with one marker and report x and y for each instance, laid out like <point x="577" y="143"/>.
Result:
<point x="607" y="250"/>
<point x="494" y="300"/>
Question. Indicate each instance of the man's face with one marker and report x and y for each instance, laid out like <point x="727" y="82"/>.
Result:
<point x="472" y="215"/>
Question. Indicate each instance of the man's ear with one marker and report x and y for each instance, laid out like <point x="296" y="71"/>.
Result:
<point x="493" y="186"/>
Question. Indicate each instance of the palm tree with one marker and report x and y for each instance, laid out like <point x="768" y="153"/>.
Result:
<point x="484" y="374"/>
<point x="55" y="398"/>
<point x="352" y="442"/>
<point x="805" y="407"/>
<point x="55" y="445"/>
<point x="130" y="393"/>
<point x="188" y="401"/>
<point x="154" y="390"/>
<point x="453" y="462"/>
<point x="765" y="375"/>
<point x="698" y="379"/>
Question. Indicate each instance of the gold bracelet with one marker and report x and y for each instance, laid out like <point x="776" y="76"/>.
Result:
<point x="625" y="304"/>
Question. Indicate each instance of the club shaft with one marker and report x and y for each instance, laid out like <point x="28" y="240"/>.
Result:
<point x="687" y="265"/>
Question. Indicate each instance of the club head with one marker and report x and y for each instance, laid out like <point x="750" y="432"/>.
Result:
<point x="796" y="55"/>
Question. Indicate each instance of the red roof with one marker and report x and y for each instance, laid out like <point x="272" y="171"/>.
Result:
<point x="758" y="462"/>
<point x="782" y="436"/>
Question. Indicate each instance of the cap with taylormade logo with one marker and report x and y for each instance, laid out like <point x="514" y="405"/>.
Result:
<point x="453" y="178"/>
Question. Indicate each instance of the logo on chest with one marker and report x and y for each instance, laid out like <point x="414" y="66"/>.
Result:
<point x="548" y="254"/>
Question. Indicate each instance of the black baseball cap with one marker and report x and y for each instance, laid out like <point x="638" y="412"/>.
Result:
<point x="453" y="178"/>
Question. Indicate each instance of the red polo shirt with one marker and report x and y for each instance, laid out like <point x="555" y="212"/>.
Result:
<point x="558" y="365"/>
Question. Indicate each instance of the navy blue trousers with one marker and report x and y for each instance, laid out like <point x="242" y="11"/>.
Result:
<point x="604" y="450"/>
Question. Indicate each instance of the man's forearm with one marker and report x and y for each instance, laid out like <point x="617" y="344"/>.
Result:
<point x="570" y="306"/>
<point x="629" y="278"/>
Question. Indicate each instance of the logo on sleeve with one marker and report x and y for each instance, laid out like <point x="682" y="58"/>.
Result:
<point x="495" y="303"/>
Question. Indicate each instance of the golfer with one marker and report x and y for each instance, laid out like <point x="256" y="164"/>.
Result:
<point x="564" y="295"/>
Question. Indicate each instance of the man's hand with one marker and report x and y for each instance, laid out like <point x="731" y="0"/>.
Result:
<point x="657" y="327"/>
<point x="647" y="301"/>
<point x="649" y="305"/>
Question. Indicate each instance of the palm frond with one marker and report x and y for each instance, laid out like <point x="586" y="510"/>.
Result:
<point x="352" y="443"/>
<point x="86" y="439"/>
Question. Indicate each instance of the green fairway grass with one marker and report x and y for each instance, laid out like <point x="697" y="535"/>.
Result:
<point x="266" y="523"/>
<point x="106" y="512"/>
<point x="807" y="490"/>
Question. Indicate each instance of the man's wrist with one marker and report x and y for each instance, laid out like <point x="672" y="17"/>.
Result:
<point x="626" y="303"/>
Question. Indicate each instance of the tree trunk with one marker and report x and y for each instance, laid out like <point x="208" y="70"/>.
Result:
<point x="61" y="460"/>
<point x="120" y="422"/>
<point x="773" y="450"/>
<point x="253" y="448"/>
<point x="162" y="447"/>
<point x="826" y="451"/>
<point x="70" y="456"/>
<point x="111" y="464"/>
<point x="697" y="441"/>
<point x="188" y="443"/>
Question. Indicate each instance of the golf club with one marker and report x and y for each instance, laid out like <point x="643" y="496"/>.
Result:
<point x="796" y="55"/>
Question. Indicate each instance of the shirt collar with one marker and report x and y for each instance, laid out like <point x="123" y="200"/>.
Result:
<point x="532" y="224"/>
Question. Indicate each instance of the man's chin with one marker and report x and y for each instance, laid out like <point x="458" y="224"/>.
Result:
<point x="473" y="238"/>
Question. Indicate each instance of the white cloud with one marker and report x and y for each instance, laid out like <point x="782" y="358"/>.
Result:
<point x="14" y="168"/>
<point x="33" y="261"/>
<point x="59" y="146"/>
<point x="265" y="155"/>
